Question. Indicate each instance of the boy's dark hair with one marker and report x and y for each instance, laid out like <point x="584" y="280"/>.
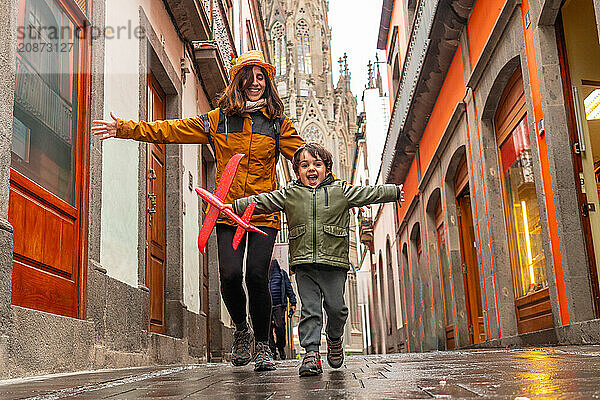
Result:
<point x="315" y="150"/>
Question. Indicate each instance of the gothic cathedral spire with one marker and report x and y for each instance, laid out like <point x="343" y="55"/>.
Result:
<point x="300" y="46"/>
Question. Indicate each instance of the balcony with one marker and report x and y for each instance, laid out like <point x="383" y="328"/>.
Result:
<point x="212" y="56"/>
<point x="211" y="67"/>
<point x="433" y="42"/>
<point x="190" y="17"/>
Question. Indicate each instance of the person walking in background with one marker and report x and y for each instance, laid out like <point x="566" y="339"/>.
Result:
<point x="249" y="120"/>
<point x="317" y="208"/>
<point x="281" y="291"/>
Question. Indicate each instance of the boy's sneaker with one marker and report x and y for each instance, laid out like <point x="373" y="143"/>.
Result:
<point x="311" y="364"/>
<point x="335" y="353"/>
<point x="240" y="351"/>
<point x="263" y="361"/>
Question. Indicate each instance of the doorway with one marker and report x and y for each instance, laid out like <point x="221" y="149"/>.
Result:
<point x="446" y="287"/>
<point x="155" y="212"/>
<point x="522" y="213"/>
<point x="49" y="163"/>
<point x="468" y="255"/>
<point x="579" y="52"/>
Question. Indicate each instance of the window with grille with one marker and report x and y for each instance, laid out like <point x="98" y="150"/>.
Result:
<point x="278" y="37"/>
<point x="303" y="47"/>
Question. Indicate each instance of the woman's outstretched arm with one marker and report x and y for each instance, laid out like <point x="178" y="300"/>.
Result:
<point x="185" y="130"/>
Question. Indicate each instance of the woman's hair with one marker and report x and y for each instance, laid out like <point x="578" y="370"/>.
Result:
<point x="315" y="150"/>
<point x="233" y="100"/>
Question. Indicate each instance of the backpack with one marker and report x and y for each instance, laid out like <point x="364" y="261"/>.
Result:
<point x="276" y="127"/>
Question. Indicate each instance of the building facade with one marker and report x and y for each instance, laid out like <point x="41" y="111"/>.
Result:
<point x="494" y="113"/>
<point x="377" y="226"/>
<point x="300" y="46"/>
<point x="98" y="260"/>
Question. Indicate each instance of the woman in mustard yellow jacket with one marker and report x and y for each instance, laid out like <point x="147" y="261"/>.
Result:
<point x="249" y="120"/>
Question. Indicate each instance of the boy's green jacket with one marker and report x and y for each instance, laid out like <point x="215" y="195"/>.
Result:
<point x="318" y="219"/>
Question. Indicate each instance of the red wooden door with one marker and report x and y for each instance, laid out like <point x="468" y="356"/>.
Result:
<point x="49" y="162"/>
<point x="444" y="278"/>
<point x="155" y="213"/>
<point x="470" y="270"/>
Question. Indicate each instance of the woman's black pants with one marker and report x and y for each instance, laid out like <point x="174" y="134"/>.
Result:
<point x="260" y="249"/>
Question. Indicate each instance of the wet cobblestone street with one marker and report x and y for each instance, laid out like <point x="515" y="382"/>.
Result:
<point x="542" y="373"/>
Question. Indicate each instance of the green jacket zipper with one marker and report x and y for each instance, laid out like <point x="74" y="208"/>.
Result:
<point x="314" y="225"/>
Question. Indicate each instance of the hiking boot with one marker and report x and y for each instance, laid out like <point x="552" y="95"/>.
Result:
<point x="335" y="353"/>
<point x="240" y="351"/>
<point x="311" y="364"/>
<point x="263" y="361"/>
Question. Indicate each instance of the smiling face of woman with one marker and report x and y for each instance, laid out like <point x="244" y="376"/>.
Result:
<point x="256" y="87"/>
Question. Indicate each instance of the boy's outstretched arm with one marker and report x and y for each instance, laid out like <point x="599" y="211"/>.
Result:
<point x="358" y="196"/>
<point x="266" y="203"/>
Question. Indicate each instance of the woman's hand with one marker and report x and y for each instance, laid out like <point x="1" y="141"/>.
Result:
<point x="106" y="129"/>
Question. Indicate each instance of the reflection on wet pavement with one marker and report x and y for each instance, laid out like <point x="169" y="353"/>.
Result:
<point x="545" y="373"/>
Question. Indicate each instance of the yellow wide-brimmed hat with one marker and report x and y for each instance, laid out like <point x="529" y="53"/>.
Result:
<point x="251" y="57"/>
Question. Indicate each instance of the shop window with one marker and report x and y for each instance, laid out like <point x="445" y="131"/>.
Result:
<point x="45" y="107"/>
<point x="520" y="197"/>
<point x="49" y="158"/>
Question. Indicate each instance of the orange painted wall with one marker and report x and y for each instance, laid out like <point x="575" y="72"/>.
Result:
<point x="452" y="93"/>
<point x="483" y="18"/>
<point x="480" y="25"/>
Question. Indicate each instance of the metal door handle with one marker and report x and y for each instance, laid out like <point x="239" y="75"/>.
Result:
<point x="152" y="206"/>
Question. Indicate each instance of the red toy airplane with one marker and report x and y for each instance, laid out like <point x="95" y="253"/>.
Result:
<point x="216" y="201"/>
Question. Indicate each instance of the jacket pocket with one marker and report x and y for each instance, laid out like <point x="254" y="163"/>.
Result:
<point x="335" y="241"/>
<point x="297" y="231"/>
<point x="297" y="240"/>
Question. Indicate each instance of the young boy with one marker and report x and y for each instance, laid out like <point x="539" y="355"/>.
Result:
<point x="317" y="209"/>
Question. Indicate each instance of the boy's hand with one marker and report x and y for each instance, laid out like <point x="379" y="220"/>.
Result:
<point x="401" y="197"/>
<point x="360" y="209"/>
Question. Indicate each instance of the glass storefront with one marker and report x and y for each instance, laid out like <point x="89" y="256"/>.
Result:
<point x="45" y="108"/>
<point x="523" y="213"/>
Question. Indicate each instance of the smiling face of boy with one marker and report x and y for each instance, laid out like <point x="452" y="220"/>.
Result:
<point x="311" y="170"/>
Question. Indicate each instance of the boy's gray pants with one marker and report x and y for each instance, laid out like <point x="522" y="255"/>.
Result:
<point x="321" y="285"/>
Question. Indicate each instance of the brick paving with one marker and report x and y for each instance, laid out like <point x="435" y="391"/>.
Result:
<point x="543" y="373"/>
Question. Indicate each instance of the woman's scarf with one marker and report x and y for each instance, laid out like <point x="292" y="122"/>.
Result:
<point x="252" y="106"/>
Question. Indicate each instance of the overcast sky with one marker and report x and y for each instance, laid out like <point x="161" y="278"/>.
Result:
<point x="354" y="29"/>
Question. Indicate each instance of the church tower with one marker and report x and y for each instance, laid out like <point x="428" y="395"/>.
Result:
<point x="300" y="47"/>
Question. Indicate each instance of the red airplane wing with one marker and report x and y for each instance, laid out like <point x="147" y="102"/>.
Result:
<point x="239" y="233"/>
<point x="227" y="177"/>
<point x="207" y="226"/>
<point x="213" y="212"/>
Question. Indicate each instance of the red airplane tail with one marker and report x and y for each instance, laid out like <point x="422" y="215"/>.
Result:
<point x="239" y="233"/>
